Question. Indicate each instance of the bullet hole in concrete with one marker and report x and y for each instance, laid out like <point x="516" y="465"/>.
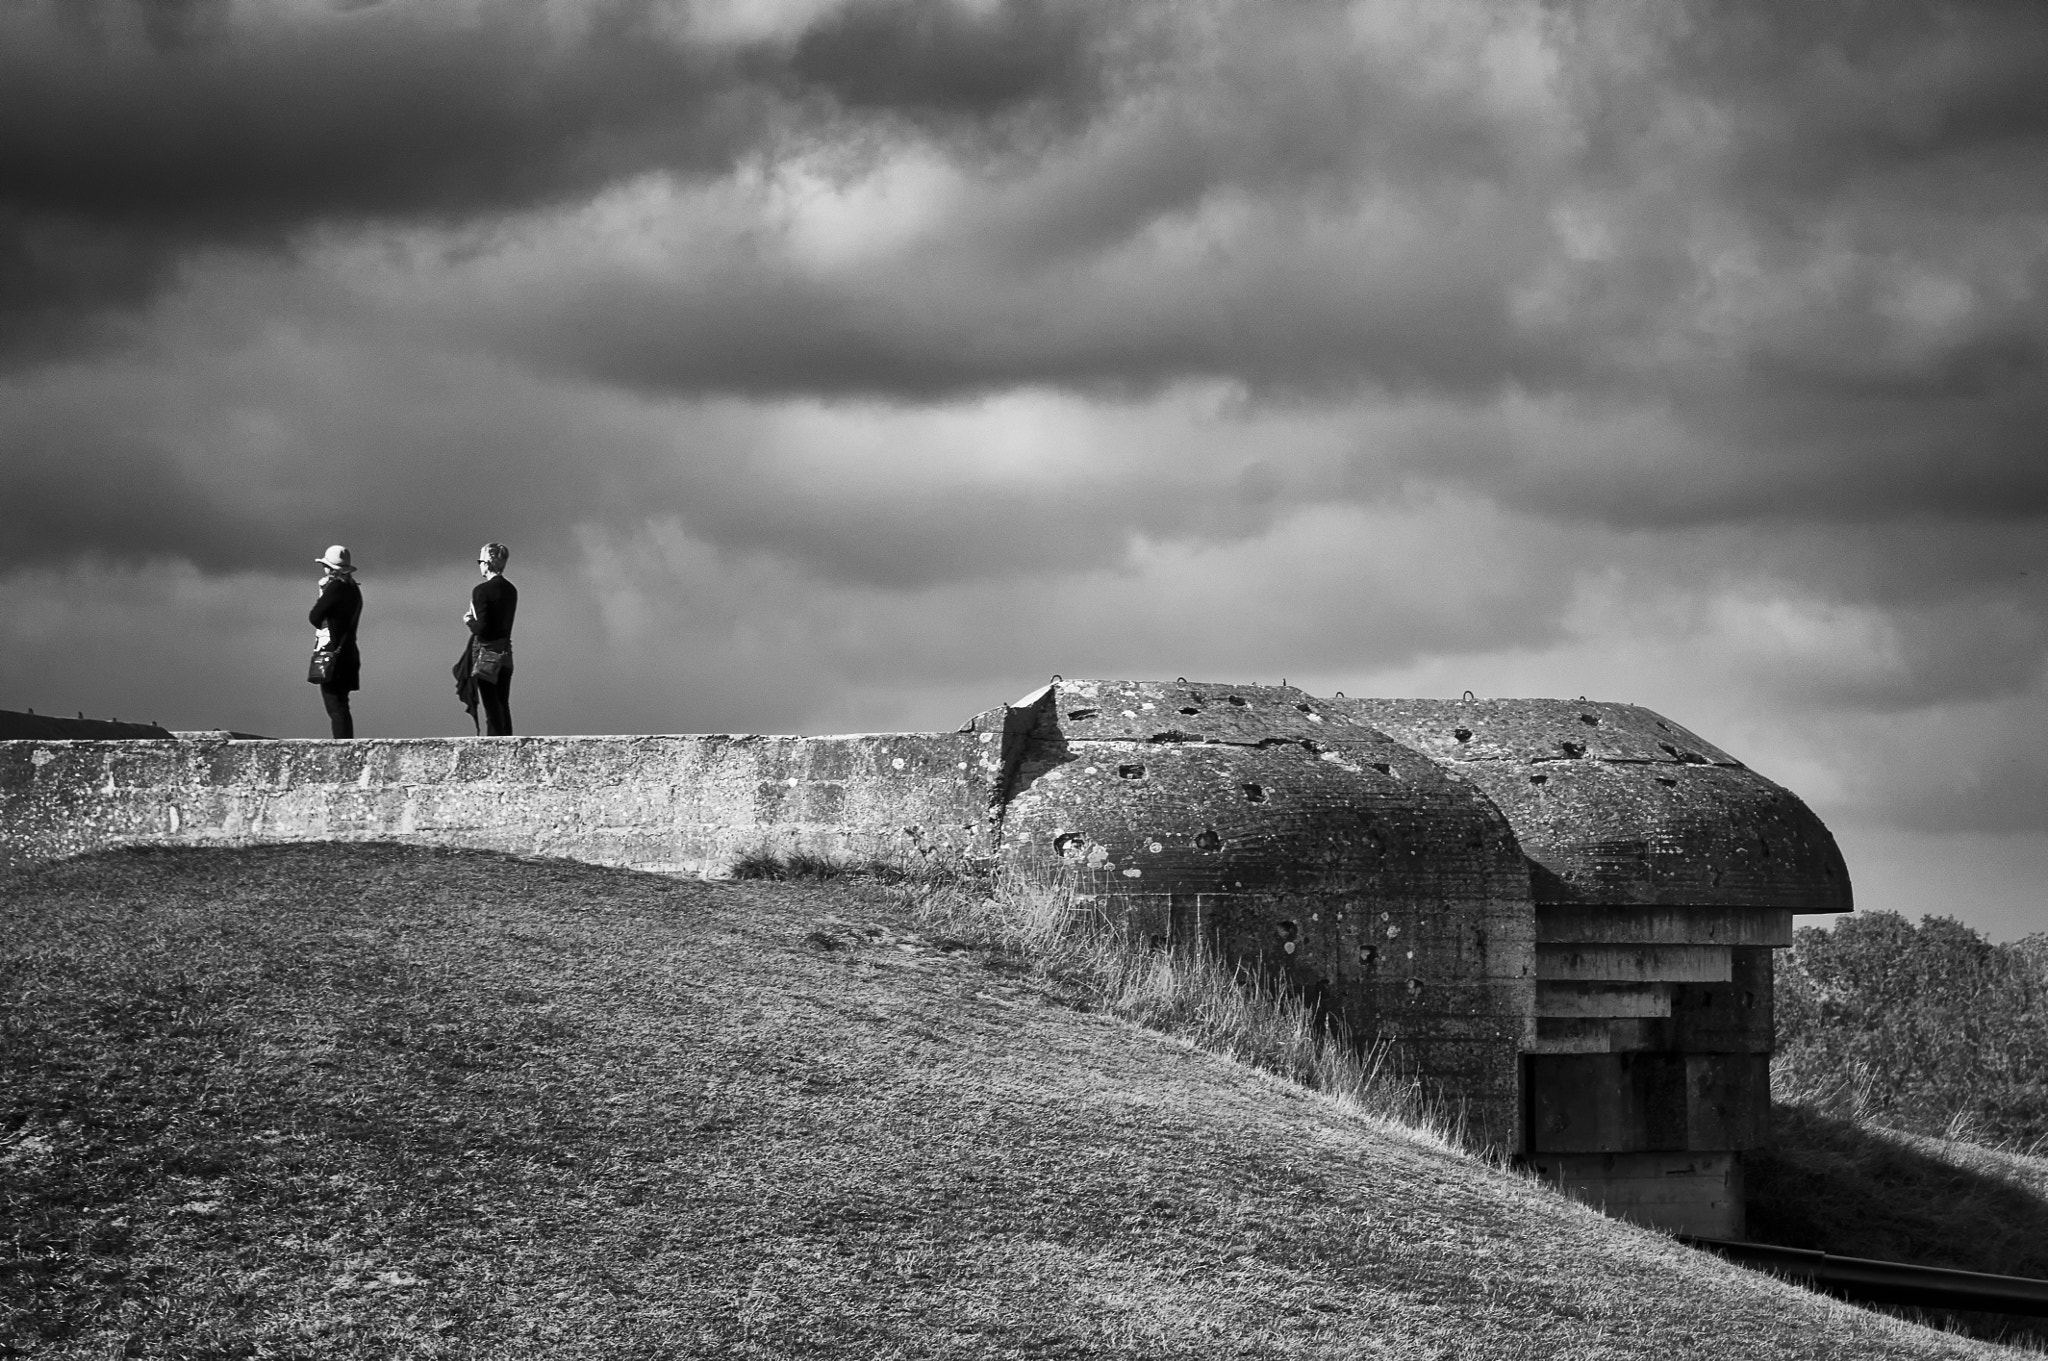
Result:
<point x="1287" y="930"/>
<point x="1667" y="781"/>
<point x="1287" y="948"/>
<point x="1462" y="734"/>
<point x="1208" y="840"/>
<point x="1572" y="749"/>
<point x="1130" y="772"/>
<point x="1539" y="779"/>
<point x="1766" y="845"/>
<point x="1414" y="987"/>
<point x="1393" y="930"/>
<point x="1748" y="1001"/>
<point x="1064" y="841"/>
<point x="1078" y="714"/>
<point x="1189" y="709"/>
<point x="1254" y="793"/>
<point x="1381" y="766"/>
<point x="1368" y="955"/>
<point x="1239" y="701"/>
<point x="1589" y="720"/>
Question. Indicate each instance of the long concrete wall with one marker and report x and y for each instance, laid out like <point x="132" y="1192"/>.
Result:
<point x="676" y="804"/>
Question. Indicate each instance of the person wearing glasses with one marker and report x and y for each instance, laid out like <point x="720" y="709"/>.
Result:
<point x="492" y="603"/>
<point x="337" y="660"/>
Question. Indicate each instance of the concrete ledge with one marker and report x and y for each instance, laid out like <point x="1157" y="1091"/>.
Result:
<point x="677" y="804"/>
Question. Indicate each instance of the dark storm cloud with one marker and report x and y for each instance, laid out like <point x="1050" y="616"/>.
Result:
<point x="1812" y="241"/>
<point x="135" y="132"/>
<point x="1649" y="267"/>
<point x="924" y="58"/>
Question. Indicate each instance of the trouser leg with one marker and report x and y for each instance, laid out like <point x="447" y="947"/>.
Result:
<point x="496" y="697"/>
<point x="338" y="716"/>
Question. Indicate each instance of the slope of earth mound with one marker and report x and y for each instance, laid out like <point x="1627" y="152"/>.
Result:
<point x="376" y="1101"/>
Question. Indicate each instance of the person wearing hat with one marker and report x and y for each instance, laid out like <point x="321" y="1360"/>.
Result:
<point x="492" y="603"/>
<point x="334" y="618"/>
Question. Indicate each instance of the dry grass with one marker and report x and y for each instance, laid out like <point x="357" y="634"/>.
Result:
<point x="790" y="866"/>
<point x="1187" y="992"/>
<point x="359" y="1101"/>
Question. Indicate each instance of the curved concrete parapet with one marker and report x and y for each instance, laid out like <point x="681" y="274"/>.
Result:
<point x="1254" y="820"/>
<point x="1615" y="804"/>
<point x="689" y="804"/>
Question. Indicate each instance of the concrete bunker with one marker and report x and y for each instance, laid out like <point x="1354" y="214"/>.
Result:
<point x="1562" y="911"/>
<point x="1246" y="819"/>
<point x="1664" y="873"/>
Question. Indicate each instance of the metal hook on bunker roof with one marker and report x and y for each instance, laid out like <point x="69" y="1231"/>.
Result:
<point x="1340" y="694"/>
<point x="1180" y="680"/>
<point x="1057" y="678"/>
<point x="1468" y="695"/>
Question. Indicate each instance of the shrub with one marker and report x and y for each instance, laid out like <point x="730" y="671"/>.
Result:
<point x="1930" y="1029"/>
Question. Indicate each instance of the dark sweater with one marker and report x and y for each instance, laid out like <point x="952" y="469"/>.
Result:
<point x="338" y="610"/>
<point x="495" y="600"/>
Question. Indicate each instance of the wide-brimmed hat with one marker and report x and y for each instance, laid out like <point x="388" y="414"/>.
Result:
<point x="336" y="559"/>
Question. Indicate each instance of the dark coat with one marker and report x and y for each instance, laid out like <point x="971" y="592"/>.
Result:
<point x="494" y="601"/>
<point x="338" y="610"/>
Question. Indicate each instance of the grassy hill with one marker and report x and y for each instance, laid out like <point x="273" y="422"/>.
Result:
<point x="373" y="1101"/>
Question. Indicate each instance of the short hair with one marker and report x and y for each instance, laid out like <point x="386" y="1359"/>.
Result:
<point x="497" y="553"/>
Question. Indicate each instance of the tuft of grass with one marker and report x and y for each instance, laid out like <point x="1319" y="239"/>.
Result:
<point x="1187" y="991"/>
<point x="789" y="866"/>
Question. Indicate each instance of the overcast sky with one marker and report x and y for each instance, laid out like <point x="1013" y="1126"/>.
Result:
<point x="839" y="367"/>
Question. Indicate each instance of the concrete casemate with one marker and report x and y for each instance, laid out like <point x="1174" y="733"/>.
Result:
<point x="1560" y="913"/>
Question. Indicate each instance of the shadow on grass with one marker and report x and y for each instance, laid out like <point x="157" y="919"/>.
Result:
<point x="1831" y="1184"/>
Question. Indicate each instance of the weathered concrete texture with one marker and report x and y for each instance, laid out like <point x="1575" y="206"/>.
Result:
<point x="1665" y="872"/>
<point x="1652" y="1102"/>
<point x="1700" y="1191"/>
<point x="661" y="803"/>
<point x="1617" y="805"/>
<point x="1245" y="818"/>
